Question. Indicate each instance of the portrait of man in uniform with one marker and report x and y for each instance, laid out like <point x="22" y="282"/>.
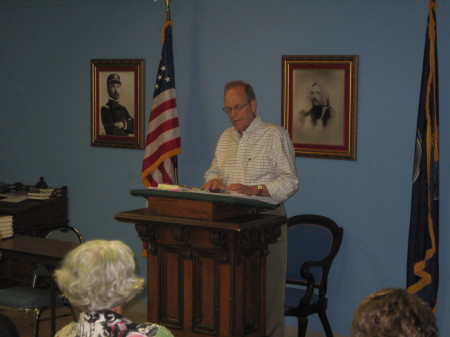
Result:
<point x="116" y="119"/>
<point x="117" y="103"/>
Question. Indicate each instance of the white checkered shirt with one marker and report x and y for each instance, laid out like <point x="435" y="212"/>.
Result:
<point x="264" y="155"/>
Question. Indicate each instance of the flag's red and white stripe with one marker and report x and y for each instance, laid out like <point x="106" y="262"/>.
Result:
<point x="163" y="141"/>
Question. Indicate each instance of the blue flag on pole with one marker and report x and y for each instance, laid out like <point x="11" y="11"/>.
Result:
<point x="422" y="266"/>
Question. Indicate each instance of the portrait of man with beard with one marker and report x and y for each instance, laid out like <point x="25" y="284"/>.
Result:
<point x="115" y="117"/>
<point x="318" y="122"/>
<point x="320" y="114"/>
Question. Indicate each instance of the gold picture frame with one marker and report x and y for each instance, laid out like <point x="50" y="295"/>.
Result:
<point x="117" y="103"/>
<point x="319" y="104"/>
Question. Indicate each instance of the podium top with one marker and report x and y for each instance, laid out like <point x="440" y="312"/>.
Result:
<point x="204" y="196"/>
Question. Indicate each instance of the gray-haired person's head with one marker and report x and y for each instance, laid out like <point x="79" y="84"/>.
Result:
<point x="247" y="87"/>
<point x="99" y="274"/>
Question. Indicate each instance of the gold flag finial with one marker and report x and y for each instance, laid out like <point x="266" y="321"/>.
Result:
<point x="167" y="9"/>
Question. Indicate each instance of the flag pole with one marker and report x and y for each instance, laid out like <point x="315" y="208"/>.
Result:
<point x="167" y="10"/>
<point x="174" y="158"/>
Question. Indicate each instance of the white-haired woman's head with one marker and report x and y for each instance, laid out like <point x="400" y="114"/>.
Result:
<point x="99" y="274"/>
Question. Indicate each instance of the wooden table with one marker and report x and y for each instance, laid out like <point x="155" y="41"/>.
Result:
<point x="34" y="218"/>
<point x="37" y="250"/>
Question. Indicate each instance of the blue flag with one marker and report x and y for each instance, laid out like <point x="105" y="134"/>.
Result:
<point x="422" y="266"/>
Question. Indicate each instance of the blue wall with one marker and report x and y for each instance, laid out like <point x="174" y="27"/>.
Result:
<point x="45" y="109"/>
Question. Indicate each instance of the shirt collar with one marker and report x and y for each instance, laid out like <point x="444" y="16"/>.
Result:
<point x="251" y="128"/>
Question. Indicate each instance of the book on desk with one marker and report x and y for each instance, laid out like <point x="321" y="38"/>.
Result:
<point x="6" y="226"/>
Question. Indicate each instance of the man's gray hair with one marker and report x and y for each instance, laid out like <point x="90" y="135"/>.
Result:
<point x="247" y="87"/>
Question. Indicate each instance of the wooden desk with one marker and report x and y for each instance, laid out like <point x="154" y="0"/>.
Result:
<point x="37" y="250"/>
<point x="33" y="218"/>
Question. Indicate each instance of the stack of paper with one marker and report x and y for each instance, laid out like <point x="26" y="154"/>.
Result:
<point x="6" y="226"/>
<point x="183" y="188"/>
<point x="40" y="193"/>
<point x="168" y="187"/>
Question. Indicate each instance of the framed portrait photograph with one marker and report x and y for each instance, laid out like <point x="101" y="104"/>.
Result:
<point x="319" y="104"/>
<point x="117" y="101"/>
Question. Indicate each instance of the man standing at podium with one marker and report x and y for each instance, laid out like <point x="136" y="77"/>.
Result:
<point x="257" y="158"/>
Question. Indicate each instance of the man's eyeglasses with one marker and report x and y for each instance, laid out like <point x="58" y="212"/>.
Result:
<point x="229" y="109"/>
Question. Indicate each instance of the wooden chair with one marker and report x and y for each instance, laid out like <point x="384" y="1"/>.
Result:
<point x="313" y="242"/>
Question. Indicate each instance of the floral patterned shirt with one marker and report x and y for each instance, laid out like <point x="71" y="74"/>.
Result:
<point x="106" y="323"/>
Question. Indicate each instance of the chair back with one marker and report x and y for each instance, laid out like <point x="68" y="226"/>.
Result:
<point x="66" y="233"/>
<point x="69" y="234"/>
<point x="313" y="242"/>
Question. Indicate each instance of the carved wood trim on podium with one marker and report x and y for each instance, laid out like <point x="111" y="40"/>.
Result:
<point x="206" y="277"/>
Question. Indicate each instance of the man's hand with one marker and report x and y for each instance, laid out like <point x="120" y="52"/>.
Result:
<point x="214" y="185"/>
<point x="248" y="190"/>
<point x="120" y="125"/>
<point x="243" y="189"/>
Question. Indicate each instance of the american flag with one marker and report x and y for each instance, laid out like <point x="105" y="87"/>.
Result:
<point x="163" y="141"/>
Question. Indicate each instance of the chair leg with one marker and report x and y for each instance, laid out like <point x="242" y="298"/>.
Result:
<point x="31" y="318"/>
<point x="37" y="314"/>
<point x="302" y="326"/>
<point x="326" y="325"/>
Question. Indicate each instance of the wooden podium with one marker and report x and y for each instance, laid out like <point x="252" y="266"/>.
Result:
<point x="206" y="270"/>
